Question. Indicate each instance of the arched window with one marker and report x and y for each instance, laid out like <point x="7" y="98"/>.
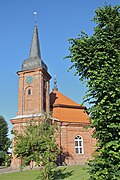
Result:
<point x="79" y="145"/>
<point x="29" y="92"/>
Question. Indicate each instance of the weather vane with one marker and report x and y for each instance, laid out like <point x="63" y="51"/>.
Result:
<point x="55" y="83"/>
<point x="35" y="15"/>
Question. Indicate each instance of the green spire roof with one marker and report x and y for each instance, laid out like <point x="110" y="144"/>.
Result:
<point x="34" y="60"/>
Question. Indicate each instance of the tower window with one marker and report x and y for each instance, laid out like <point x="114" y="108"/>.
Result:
<point x="79" y="145"/>
<point x="29" y="92"/>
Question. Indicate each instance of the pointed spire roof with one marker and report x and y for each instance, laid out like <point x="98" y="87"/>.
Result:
<point x="35" y="46"/>
<point x="34" y="60"/>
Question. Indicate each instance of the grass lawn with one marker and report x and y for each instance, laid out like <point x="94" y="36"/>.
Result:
<point x="68" y="173"/>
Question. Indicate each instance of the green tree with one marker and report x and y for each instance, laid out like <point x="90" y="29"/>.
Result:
<point x="37" y="144"/>
<point x="4" y="140"/>
<point x="97" y="62"/>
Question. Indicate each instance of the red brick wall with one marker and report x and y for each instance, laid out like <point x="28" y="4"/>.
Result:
<point x="66" y="139"/>
<point x="32" y="104"/>
<point x="68" y="134"/>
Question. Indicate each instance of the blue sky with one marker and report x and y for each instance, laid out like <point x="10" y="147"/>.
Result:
<point x="57" y="21"/>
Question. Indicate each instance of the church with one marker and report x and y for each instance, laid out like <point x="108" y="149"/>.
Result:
<point x="35" y="99"/>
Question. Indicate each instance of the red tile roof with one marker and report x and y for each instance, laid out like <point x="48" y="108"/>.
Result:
<point x="66" y="109"/>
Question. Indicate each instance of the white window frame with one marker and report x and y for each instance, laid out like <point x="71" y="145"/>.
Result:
<point x="79" y="145"/>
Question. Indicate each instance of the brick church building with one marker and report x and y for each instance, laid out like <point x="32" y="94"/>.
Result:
<point x="34" y="99"/>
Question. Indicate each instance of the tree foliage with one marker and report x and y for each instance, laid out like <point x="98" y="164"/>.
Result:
<point x="97" y="61"/>
<point x="37" y="144"/>
<point x="4" y="140"/>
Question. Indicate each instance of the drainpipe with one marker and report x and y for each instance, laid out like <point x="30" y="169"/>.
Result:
<point x="60" y="145"/>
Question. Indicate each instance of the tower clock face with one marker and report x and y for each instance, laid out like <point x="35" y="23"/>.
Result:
<point x="29" y="79"/>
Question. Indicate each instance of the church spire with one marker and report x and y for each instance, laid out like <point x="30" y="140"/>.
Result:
<point x="34" y="60"/>
<point x="35" y="47"/>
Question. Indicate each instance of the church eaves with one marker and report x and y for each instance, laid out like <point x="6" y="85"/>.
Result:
<point x="34" y="60"/>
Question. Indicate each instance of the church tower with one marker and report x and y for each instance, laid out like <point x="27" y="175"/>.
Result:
<point x="33" y="90"/>
<point x="33" y="86"/>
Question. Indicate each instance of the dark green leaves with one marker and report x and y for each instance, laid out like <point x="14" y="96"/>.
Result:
<point x="4" y="140"/>
<point x="97" y="61"/>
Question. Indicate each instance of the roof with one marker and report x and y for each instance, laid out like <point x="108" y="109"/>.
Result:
<point x="66" y="109"/>
<point x="59" y="98"/>
<point x="34" y="60"/>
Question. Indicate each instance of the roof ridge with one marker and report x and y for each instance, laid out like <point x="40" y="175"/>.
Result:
<point x="61" y="99"/>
